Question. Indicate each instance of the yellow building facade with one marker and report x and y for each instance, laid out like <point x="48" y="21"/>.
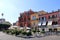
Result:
<point x="42" y="12"/>
<point x="34" y="19"/>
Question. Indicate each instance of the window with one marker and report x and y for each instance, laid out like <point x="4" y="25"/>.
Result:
<point x="24" y="19"/>
<point x="55" y="29"/>
<point x="28" y="25"/>
<point x="34" y="18"/>
<point x="21" y="25"/>
<point x="54" y="23"/>
<point x="43" y="18"/>
<point x="21" y="16"/>
<point x="34" y="23"/>
<point x="43" y="29"/>
<point x="28" y="18"/>
<point x="53" y="16"/>
<point x="40" y="19"/>
<point x="59" y="14"/>
<point x="49" y="17"/>
<point x="50" y="29"/>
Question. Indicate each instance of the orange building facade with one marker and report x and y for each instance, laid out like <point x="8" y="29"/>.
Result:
<point x="24" y="19"/>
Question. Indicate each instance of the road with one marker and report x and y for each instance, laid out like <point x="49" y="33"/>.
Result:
<point x="4" y="36"/>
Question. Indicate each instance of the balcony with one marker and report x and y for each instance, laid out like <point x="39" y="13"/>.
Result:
<point x="35" y="19"/>
<point x="55" y="19"/>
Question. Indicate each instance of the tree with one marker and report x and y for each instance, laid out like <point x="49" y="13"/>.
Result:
<point x="5" y="25"/>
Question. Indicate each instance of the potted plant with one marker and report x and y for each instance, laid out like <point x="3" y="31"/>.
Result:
<point x="34" y="31"/>
<point x="7" y="31"/>
<point x="42" y="32"/>
<point x="24" y="33"/>
<point x="29" y="33"/>
<point x="12" y="32"/>
<point x="17" y="32"/>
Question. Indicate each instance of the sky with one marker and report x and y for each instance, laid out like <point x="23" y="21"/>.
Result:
<point x="12" y="8"/>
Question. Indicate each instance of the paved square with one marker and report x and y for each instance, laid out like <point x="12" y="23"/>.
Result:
<point x="4" y="36"/>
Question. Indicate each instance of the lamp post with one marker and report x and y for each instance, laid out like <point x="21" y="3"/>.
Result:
<point x="2" y="15"/>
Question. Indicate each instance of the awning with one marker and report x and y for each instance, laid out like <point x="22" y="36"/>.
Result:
<point x="39" y="24"/>
<point x="44" y="23"/>
<point x="28" y="28"/>
<point x="49" y="23"/>
<point x="21" y="28"/>
<point x="13" y="27"/>
<point x="56" y="25"/>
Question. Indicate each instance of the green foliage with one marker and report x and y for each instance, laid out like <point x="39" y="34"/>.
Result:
<point x="4" y="26"/>
<point x="29" y="33"/>
<point x="24" y="33"/>
<point x="7" y="31"/>
<point x="42" y="31"/>
<point x="38" y="31"/>
<point x="4" y="30"/>
<point x="17" y="32"/>
<point x="12" y="32"/>
<point x="20" y="31"/>
<point x="34" y="31"/>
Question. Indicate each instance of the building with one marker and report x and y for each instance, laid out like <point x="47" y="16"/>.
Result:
<point x="40" y="19"/>
<point x="34" y="19"/>
<point x="24" y="19"/>
<point x="53" y="16"/>
<point x="50" y="20"/>
<point x="4" y="25"/>
<point x="2" y="20"/>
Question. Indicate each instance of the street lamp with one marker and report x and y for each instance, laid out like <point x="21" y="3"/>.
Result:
<point x="2" y="15"/>
<point x="2" y="18"/>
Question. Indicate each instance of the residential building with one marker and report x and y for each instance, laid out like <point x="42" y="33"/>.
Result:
<point x="24" y="19"/>
<point x="40" y="19"/>
<point x="50" y="20"/>
<point x="34" y="19"/>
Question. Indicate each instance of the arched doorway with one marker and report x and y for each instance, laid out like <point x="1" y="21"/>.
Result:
<point x="43" y="29"/>
<point x="55" y="29"/>
<point x="54" y="23"/>
<point x="50" y="30"/>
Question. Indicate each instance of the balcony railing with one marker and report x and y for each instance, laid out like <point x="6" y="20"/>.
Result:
<point x="54" y="19"/>
<point x="35" y="19"/>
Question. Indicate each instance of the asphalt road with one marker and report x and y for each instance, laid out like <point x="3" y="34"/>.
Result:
<point x="4" y="36"/>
